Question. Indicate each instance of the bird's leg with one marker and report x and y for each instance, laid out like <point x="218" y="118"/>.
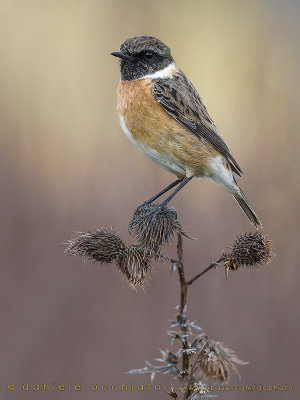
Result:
<point x="169" y="198"/>
<point x="158" y="207"/>
<point x="166" y="189"/>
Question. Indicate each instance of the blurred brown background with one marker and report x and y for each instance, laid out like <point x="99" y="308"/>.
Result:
<point x="66" y="165"/>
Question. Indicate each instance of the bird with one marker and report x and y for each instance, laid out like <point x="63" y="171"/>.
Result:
<point x="161" y="112"/>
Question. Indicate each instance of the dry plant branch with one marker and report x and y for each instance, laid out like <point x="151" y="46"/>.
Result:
<point x="209" y="267"/>
<point x="202" y="359"/>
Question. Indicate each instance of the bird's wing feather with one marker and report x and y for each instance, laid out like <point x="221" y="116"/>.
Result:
<point x="180" y="99"/>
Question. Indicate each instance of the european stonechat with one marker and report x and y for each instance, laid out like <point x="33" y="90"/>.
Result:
<point x="163" y="115"/>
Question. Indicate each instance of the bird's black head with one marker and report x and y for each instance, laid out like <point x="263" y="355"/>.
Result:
<point x="142" y="55"/>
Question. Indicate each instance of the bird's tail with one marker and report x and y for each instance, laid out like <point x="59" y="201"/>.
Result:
<point x="248" y="210"/>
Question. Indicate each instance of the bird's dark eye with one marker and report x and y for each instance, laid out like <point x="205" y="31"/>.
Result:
<point x="148" y="55"/>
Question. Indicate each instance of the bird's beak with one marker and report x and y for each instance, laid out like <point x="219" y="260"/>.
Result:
<point x="121" y="55"/>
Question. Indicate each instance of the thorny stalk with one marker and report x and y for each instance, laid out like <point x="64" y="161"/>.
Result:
<point x="183" y="305"/>
<point x="183" y="296"/>
<point x="202" y="358"/>
<point x="190" y="380"/>
<point x="210" y="266"/>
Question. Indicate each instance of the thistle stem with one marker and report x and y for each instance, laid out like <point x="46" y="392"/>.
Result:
<point x="180" y="269"/>
<point x="210" y="266"/>
<point x="183" y="298"/>
<point x="183" y="293"/>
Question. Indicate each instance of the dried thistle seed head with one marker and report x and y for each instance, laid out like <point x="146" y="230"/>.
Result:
<point x="216" y="361"/>
<point x="251" y="249"/>
<point x="154" y="226"/>
<point x="214" y="368"/>
<point x="100" y="244"/>
<point x="134" y="264"/>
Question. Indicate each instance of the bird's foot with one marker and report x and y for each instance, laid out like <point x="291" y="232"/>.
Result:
<point x="153" y="225"/>
<point x="145" y="204"/>
<point x="144" y="211"/>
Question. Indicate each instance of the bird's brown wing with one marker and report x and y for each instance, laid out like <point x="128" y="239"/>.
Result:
<point x="181" y="100"/>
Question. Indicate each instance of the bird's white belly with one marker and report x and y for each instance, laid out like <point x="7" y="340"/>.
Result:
<point x="161" y="159"/>
<point x="222" y="175"/>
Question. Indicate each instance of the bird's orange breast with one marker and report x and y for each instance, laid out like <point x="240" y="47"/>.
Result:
<point x="153" y="129"/>
<point x="143" y="115"/>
